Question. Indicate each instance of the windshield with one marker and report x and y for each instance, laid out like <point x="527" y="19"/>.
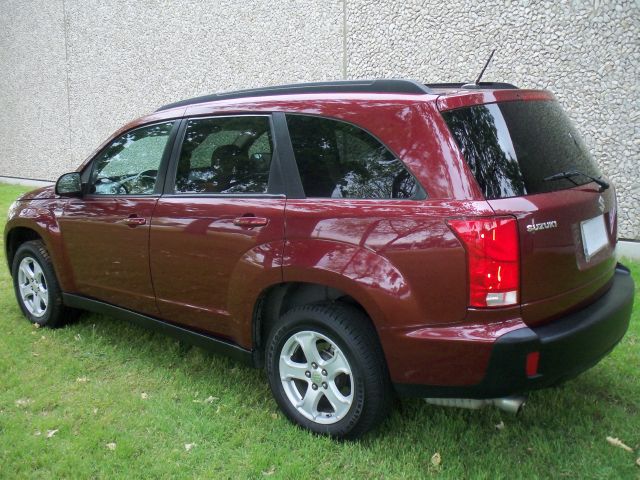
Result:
<point x="511" y="147"/>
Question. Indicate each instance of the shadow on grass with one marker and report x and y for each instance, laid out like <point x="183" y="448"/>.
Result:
<point x="555" y="409"/>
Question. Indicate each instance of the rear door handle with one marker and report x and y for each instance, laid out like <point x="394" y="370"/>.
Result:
<point x="134" y="221"/>
<point x="250" y="221"/>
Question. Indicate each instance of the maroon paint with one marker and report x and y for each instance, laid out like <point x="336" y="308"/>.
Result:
<point x="207" y="270"/>
<point x="545" y="296"/>
<point x="397" y="258"/>
<point x="37" y="210"/>
<point x="98" y="237"/>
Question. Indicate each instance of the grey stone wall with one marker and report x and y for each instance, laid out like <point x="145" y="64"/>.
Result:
<point x="34" y="108"/>
<point x="73" y="71"/>
<point x="587" y="53"/>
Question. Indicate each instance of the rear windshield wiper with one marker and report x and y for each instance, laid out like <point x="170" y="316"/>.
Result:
<point x="574" y="173"/>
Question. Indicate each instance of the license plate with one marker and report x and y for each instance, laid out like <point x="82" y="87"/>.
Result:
<point x="594" y="236"/>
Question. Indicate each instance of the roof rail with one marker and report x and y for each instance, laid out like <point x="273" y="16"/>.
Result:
<point x="472" y="86"/>
<point x="342" y="86"/>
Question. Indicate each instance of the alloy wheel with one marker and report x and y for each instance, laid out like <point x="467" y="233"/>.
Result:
<point x="316" y="377"/>
<point x="32" y="285"/>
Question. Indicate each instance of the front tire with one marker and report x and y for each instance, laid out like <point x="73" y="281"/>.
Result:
<point x="327" y="371"/>
<point x="36" y="286"/>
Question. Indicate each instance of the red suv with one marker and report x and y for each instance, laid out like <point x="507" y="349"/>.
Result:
<point x="358" y="238"/>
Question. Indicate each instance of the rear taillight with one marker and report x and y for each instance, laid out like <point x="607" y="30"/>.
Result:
<point x="493" y="259"/>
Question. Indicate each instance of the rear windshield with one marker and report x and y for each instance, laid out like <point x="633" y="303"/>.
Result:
<point x="511" y="147"/>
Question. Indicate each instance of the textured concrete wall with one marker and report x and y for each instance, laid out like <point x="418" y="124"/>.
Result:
<point x="34" y="113"/>
<point x="128" y="58"/>
<point x="73" y="71"/>
<point x="587" y="53"/>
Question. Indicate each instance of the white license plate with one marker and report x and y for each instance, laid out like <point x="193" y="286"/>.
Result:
<point x="594" y="235"/>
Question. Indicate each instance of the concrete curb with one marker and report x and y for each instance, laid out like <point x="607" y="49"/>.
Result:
<point x="629" y="249"/>
<point x="25" y="181"/>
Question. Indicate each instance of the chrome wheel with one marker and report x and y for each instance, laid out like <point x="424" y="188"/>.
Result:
<point x="32" y="285"/>
<point x="316" y="377"/>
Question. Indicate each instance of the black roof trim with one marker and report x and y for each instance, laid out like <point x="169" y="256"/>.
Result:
<point x="343" y="86"/>
<point x="472" y="86"/>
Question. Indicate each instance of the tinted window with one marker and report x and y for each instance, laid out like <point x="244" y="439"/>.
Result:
<point x="338" y="160"/>
<point x="129" y="165"/>
<point x="225" y="155"/>
<point x="512" y="147"/>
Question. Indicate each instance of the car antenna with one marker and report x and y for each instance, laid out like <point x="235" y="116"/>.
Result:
<point x="476" y="84"/>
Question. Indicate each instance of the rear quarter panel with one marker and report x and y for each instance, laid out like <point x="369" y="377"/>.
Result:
<point x="397" y="257"/>
<point x="400" y="261"/>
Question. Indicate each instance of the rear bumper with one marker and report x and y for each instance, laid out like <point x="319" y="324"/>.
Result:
<point x="567" y="346"/>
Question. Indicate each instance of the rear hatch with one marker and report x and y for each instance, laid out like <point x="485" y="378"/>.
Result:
<point x="567" y="226"/>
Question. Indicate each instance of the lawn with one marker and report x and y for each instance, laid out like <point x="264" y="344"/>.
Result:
<point x="104" y="399"/>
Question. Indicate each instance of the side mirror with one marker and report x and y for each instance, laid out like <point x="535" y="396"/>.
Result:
<point x="69" y="185"/>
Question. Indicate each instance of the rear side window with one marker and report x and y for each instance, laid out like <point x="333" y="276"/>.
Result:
<point x="339" y="160"/>
<point x="511" y="147"/>
<point x="225" y="155"/>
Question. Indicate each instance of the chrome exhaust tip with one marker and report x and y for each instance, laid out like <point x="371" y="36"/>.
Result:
<point x="512" y="404"/>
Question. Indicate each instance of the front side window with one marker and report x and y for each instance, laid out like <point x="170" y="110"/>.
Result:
<point x="339" y="160"/>
<point x="225" y="155"/>
<point x="129" y="165"/>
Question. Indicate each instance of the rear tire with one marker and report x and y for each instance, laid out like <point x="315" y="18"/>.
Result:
<point x="327" y="371"/>
<point x="36" y="286"/>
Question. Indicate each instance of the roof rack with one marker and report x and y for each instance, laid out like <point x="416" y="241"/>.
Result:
<point x="340" y="86"/>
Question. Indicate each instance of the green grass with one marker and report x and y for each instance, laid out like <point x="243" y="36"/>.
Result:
<point x="87" y="382"/>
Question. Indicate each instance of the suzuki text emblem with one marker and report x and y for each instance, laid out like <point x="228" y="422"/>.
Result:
<point x="535" y="227"/>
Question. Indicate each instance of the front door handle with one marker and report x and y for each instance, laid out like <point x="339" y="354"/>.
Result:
<point x="250" y="221"/>
<point x="134" y="221"/>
